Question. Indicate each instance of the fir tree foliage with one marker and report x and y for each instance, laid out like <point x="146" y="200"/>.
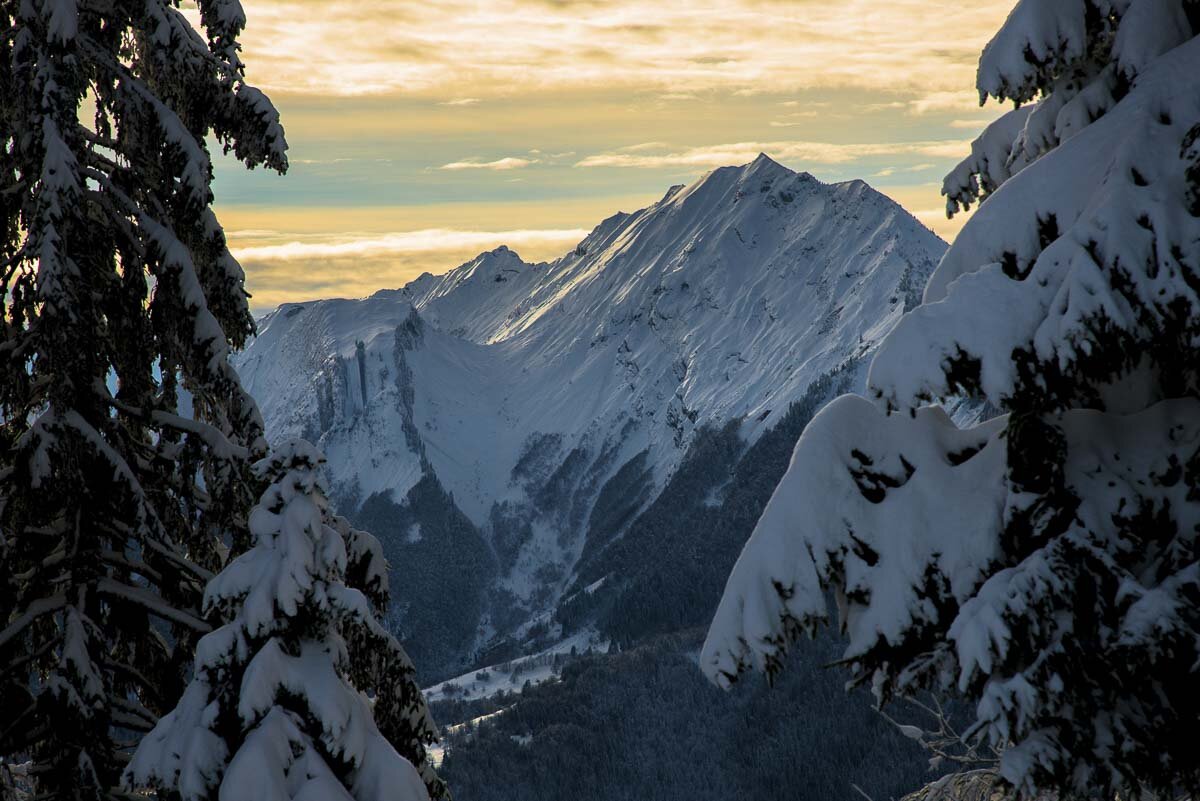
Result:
<point x="117" y="293"/>
<point x="1043" y="564"/>
<point x="277" y="707"/>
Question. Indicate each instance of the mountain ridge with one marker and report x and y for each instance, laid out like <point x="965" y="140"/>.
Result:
<point x="515" y="393"/>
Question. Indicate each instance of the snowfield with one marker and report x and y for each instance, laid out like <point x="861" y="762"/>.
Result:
<point x="511" y="676"/>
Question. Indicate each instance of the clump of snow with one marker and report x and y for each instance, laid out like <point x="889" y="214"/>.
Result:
<point x="1040" y="39"/>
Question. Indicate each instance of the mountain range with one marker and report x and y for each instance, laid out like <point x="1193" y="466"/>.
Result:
<point x="528" y="440"/>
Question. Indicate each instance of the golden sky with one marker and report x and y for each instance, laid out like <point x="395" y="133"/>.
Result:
<point x="424" y="133"/>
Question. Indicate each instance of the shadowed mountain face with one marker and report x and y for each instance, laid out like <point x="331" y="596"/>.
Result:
<point x="504" y="426"/>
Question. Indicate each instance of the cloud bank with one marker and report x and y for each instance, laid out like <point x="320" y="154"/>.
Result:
<point x="674" y="47"/>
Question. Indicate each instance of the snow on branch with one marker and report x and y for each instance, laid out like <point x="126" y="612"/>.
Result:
<point x="1073" y="61"/>
<point x="863" y="509"/>
<point x="151" y="602"/>
<point x="113" y="264"/>
<point x="1040" y="39"/>
<point x="904" y="520"/>
<point x="35" y="610"/>
<point x="1041" y="565"/>
<point x="1040" y="266"/>
<point x="990" y="164"/>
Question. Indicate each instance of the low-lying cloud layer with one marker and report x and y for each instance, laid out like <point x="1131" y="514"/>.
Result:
<point x="296" y="270"/>
<point x="429" y="240"/>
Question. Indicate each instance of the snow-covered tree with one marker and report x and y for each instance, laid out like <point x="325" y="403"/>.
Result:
<point x="125" y="435"/>
<point x="1042" y="564"/>
<point x="278" y="707"/>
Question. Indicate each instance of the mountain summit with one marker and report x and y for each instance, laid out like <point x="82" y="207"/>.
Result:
<point x="505" y="421"/>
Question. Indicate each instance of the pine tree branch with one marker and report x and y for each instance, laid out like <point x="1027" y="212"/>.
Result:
<point x="132" y="208"/>
<point x="99" y="160"/>
<point x="121" y="468"/>
<point x="130" y="715"/>
<point x="14" y="260"/>
<point x="96" y="139"/>
<point x="151" y="603"/>
<point x="120" y="560"/>
<point x="15" y="666"/>
<point x="115" y="215"/>
<point x="218" y="444"/>
<point x="35" y="610"/>
<point x="15" y="724"/>
<point x="131" y="672"/>
<point x="162" y="550"/>
<point x="179" y="561"/>
<point x="55" y="557"/>
<point x="168" y="121"/>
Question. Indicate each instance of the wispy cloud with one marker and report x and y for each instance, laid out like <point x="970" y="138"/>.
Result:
<point x="643" y="147"/>
<point x="509" y="163"/>
<point x="793" y="151"/>
<point x="954" y="100"/>
<point x="888" y="105"/>
<point x="428" y="240"/>
<point x="889" y="171"/>
<point x="462" y="101"/>
<point x="295" y="160"/>
<point x="970" y="125"/>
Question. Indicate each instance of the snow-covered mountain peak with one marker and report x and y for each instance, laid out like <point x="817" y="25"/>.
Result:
<point x="495" y="266"/>
<point x="724" y="206"/>
<point x="758" y="176"/>
<point x="523" y="389"/>
<point x="713" y="303"/>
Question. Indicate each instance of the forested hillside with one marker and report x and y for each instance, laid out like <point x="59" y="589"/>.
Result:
<point x="645" y="724"/>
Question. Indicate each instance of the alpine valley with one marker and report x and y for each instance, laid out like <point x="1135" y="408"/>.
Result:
<point x="571" y="454"/>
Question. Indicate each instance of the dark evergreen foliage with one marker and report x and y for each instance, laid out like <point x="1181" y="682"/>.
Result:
<point x="126" y="438"/>
<point x="435" y="609"/>
<point x="645" y="724"/>
<point x="118" y="492"/>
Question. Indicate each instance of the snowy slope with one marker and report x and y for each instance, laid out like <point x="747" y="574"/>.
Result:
<point x="523" y="388"/>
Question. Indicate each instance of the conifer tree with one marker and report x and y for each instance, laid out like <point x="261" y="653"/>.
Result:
<point x="274" y="711"/>
<point x="1041" y="565"/>
<point x="125" y="435"/>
